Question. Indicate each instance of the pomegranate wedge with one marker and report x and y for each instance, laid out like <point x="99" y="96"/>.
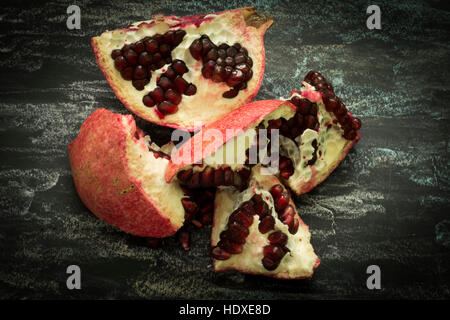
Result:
<point x="178" y="71"/>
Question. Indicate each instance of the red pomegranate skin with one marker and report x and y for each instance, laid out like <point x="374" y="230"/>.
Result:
<point x="103" y="181"/>
<point x="242" y="118"/>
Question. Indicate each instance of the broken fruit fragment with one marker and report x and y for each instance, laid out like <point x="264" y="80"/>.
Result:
<point x="182" y="55"/>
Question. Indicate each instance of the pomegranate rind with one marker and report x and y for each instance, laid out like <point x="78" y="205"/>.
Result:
<point x="243" y="25"/>
<point x="230" y="126"/>
<point x="120" y="181"/>
<point x="299" y="264"/>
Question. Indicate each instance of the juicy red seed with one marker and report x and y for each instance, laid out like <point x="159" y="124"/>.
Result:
<point x="173" y="96"/>
<point x="179" y="66"/>
<point x="273" y="252"/>
<point x="311" y="74"/>
<point x="132" y="57"/>
<point x="228" y="71"/>
<point x="249" y="61"/>
<point x="184" y="175"/>
<point x="180" y="84"/>
<point x="165" y="83"/>
<point x="293" y="227"/>
<point x="157" y="95"/>
<point x="168" y="36"/>
<point x="195" y="180"/>
<point x="120" y="62"/>
<point x="228" y="176"/>
<point x="184" y="238"/>
<point x="313" y="110"/>
<point x="310" y="121"/>
<point x="157" y="58"/>
<point x="243" y="67"/>
<point x="231" y="247"/>
<point x="190" y="90"/>
<point x="276" y="191"/>
<point x="285" y="174"/>
<point x="189" y="205"/>
<point x="196" y="49"/>
<point x="304" y="107"/>
<point x="242" y="218"/>
<point x="331" y="104"/>
<point x="220" y="254"/>
<point x="236" y="77"/>
<point x="126" y="47"/>
<point x="170" y="73"/>
<point x="178" y="37"/>
<point x="159" y="38"/>
<point x="229" y="61"/>
<point x="145" y="59"/>
<point x="237" y="233"/>
<point x="167" y="107"/>
<point x="350" y="135"/>
<point x="127" y="73"/>
<point x="218" y="73"/>
<point x="266" y="224"/>
<point x="220" y="62"/>
<point x="278" y="238"/>
<point x="288" y="220"/>
<point x="237" y="181"/>
<point x="148" y="101"/>
<point x="299" y="119"/>
<point x="341" y="110"/>
<point x="239" y="58"/>
<point x="140" y="84"/>
<point x="207" y="177"/>
<point x="295" y="100"/>
<point x="231" y="51"/>
<point x="282" y="201"/>
<point x="230" y="93"/>
<point x="139" y="73"/>
<point x="249" y="75"/>
<point x="151" y="46"/>
<point x="208" y="68"/>
<point x="285" y="163"/>
<point x="237" y="46"/>
<point x="288" y="211"/>
<point x="218" y="177"/>
<point x="139" y="46"/>
<point x="212" y="54"/>
<point x="116" y="53"/>
<point x="222" y="53"/>
<point x="269" y="264"/>
<point x="356" y="124"/>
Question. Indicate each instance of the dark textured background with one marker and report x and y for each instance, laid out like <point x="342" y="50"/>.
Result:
<point x="386" y="204"/>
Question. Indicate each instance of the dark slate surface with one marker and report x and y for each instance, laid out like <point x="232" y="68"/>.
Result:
<point x="386" y="204"/>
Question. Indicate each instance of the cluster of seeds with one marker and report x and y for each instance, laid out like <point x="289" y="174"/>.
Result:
<point x="223" y="63"/>
<point x="334" y="104"/>
<point x="138" y="60"/>
<point x="214" y="177"/>
<point x="285" y="211"/>
<point x="198" y="206"/>
<point x="233" y="238"/>
<point x="169" y="88"/>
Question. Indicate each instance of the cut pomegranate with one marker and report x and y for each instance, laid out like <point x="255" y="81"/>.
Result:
<point x="189" y="56"/>
<point x="266" y="245"/>
<point x="118" y="177"/>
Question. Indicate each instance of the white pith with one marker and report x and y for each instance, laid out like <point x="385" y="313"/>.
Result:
<point x="298" y="263"/>
<point x="207" y="104"/>
<point x="148" y="170"/>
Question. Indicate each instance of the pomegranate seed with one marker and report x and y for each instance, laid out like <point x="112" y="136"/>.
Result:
<point x="239" y="58"/>
<point x="206" y="44"/>
<point x="288" y="211"/>
<point x="236" y="233"/>
<point x="179" y="66"/>
<point x="157" y="95"/>
<point x="178" y="37"/>
<point x="229" y="61"/>
<point x="288" y="220"/>
<point x="197" y="223"/>
<point x="243" y="67"/>
<point x="173" y="96"/>
<point x="350" y="135"/>
<point x="139" y="46"/>
<point x="237" y="181"/>
<point x="293" y="227"/>
<point x="125" y="48"/>
<point x="220" y="62"/>
<point x="230" y="246"/>
<point x="212" y="55"/>
<point x="228" y="176"/>
<point x="180" y="84"/>
<point x="278" y="238"/>
<point x="207" y="177"/>
<point x="219" y="254"/>
<point x="231" y="51"/>
<point x="249" y="75"/>
<point x="167" y="107"/>
<point x="304" y="107"/>
<point x="170" y="73"/>
<point x="356" y="124"/>
<point x="156" y="57"/>
<point x="189" y="205"/>
<point x="313" y="110"/>
<point x="242" y="218"/>
<point x="311" y="74"/>
<point x="208" y="68"/>
<point x="273" y="252"/>
<point x="276" y="191"/>
<point x="285" y="163"/>
<point x="132" y="57"/>
<point x="285" y="174"/>
<point x="145" y="59"/>
<point x="196" y="49"/>
<point x="295" y="100"/>
<point x="218" y="177"/>
<point x="190" y="90"/>
<point x="237" y="46"/>
<point x="116" y="53"/>
<point x="249" y="60"/>
<point x="184" y="238"/>
<point x="310" y="121"/>
<point x="236" y="77"/>
<point x="230" y="93"/>
<point x="218" y="73"/>
<point x="184" y="175"/>
<point x="282" y="201"/>
<point x="120" y="63"/>
<point x="168" y="36"/>
<point x="299" y="119"/>
<point x="165" y="83"/>
<point x="228" y="71"/>
<point x="127" y="73"/>
<point x="222" y="53"/>
<point x="148" y="101"/>
<point x="266" y="224"/>
<point x="159" y="38"/>
<point x="140" y="84"/>
<point x="139" y="73"/>
<point x="269" y="264"/>
<point x="151" y="46"/>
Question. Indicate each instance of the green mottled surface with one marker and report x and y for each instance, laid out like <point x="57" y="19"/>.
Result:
<point x="386" y="204"/>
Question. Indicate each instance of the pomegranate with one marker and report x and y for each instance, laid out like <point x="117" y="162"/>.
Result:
<point x="258" y="231"/>
<point x="177" y="71"/>
<point x="120" y="178"/>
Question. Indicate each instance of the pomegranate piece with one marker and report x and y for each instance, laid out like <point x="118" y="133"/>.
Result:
<point x="159" y="54"/>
